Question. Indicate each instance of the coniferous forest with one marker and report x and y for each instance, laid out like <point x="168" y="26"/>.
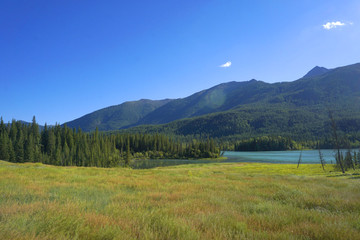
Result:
<point x="62" y="146"/>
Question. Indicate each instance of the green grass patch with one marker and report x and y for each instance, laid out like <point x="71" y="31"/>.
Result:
<point x="200" y="201"/>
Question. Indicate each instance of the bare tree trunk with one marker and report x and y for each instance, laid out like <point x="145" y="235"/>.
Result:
<point x="299" y="159"/>
<point x="322" y="161"/>
<point x="335" y="136"/>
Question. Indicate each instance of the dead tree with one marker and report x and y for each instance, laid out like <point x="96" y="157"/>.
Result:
<point x="336" y="139"/>
<point x="299" y="159"/>
<point x="322" y="161"/>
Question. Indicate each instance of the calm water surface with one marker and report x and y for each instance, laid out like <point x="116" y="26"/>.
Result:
<point x="308" y="156"/>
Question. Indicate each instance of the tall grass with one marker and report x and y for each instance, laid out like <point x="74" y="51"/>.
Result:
<point x="209" y="201"/>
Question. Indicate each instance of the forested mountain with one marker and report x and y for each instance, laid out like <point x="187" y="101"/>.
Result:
<point x="217" y="99"/>
<point x="116" y="117"/>
<point x="338" y="86"/>
<point x="298" y="109"/>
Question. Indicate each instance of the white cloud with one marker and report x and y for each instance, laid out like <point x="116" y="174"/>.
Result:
<point x="330" y="25"/>
<point x="225" y="65"/>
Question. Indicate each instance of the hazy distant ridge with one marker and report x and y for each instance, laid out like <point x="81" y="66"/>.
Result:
<point x="116" y="117"/>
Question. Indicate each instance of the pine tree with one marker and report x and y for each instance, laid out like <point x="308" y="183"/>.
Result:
<point x="4" y="149"/>
<point x="13" y="131"/>
<point x="66" y="154"/>
<point x="128" y="153"/>
<point x="51" y="143"/>
<point x="29" y="153"/>
<point x="36" y="139"/>
<point x="58" y="156"/>
<point x="19" y="147"/>
<point x="12" y="157"/>
<point x="35" y="129"/>
<point x="2" y="126"/>
<point x="44" y="139"/>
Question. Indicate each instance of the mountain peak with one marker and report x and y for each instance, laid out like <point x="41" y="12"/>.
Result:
<point x="316" y="71"/>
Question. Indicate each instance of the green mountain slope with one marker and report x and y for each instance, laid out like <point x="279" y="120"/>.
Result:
<point x="298" y="109"/>
<point x="116" y="117"/>
<point x="299" y="124"/>
<point x="219" y="98"/>
<point x="338" y="86"/>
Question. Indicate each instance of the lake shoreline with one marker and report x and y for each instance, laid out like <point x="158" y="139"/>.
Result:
<point x="277" y="157"/>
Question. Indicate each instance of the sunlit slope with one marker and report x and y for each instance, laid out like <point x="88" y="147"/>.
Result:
<point x="116" y="117"/>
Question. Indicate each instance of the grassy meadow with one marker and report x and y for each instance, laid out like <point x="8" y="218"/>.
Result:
<point x="201" y="201"/>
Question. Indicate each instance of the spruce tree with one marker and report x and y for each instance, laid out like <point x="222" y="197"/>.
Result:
<point x="66" y="155"/>
<point x="58" y="156"/>
<point x="44" y="139"/>
<point x="128" y="154"/>
<point x="35" y="129"/>
<point x="51" y="143"/>
<point x="2" y="126"/>
<point x="29" y="153"/>
<point x="4" y="149"/>
<point x="19" y="147"/>
<point x="13" y="131"/>
<point x="12" y="157"/>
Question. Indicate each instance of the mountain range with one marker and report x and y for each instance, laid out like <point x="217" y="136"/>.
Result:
<point x="297" y="108"/>
<point x="117" y="117"/>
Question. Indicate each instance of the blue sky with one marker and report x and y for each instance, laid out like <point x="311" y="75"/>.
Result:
<point x="60" y="60"/>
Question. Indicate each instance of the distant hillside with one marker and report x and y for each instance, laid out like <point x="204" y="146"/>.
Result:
<point x="298" y="108"/>
<point x="216" y="99"/>
<point x="116" y="117"/>
<point x="339" y="86"/>
<point x="299" y="124"/>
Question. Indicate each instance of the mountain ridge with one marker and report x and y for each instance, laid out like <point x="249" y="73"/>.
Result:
<point x="116" y="116"/>
<point x="338" y="88"/>
<point x="316" y="71"/>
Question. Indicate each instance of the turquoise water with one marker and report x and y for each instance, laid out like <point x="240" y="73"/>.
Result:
<point x="308" y="156"/>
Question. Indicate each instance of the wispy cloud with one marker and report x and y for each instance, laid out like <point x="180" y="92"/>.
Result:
<point x="330" y="25"/>
<point x="225" y="65"/>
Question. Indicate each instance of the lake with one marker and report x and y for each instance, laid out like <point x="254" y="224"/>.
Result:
<point x="308" y="156"/>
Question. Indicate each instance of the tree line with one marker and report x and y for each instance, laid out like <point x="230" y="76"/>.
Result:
<point x="283" y="143"/>
<point x="63" y="146"/>
<point x="267" y="143"/>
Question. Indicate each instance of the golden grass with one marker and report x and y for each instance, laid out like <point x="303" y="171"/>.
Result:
<point x="202" y="201"/>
